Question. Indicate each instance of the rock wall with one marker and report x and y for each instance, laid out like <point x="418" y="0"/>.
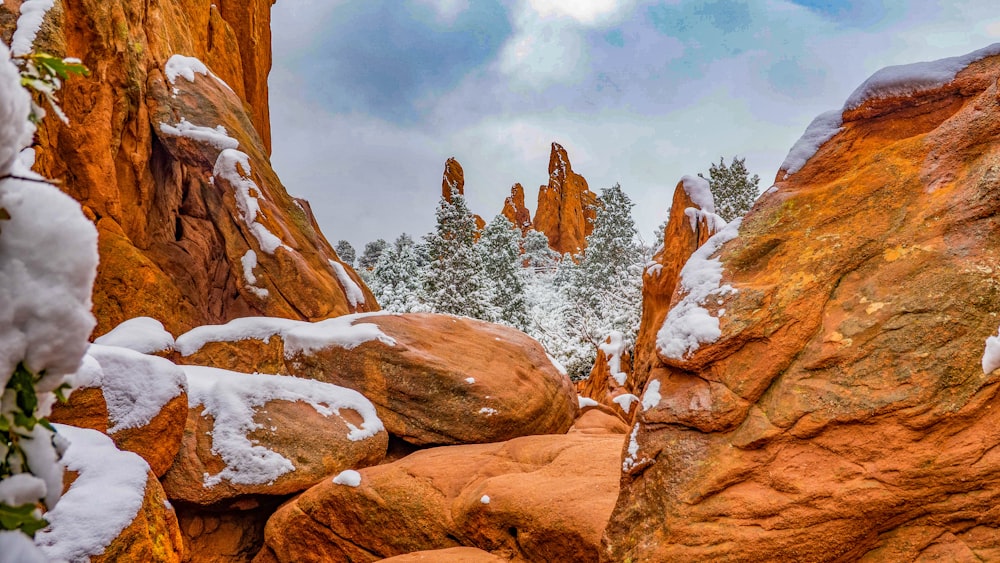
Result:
<point x="843" y="412"/>
<point x="141" y="155"/>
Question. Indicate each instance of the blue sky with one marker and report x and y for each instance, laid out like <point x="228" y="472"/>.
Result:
<point x="369" y="97"/>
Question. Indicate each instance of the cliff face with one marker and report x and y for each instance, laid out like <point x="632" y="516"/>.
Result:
<point x="515" y="211"/>
<point x="841" y="410"/>
<point x="565" y="211"/>
<point x="167" y="151"/>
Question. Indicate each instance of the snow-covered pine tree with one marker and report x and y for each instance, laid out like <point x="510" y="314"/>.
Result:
<point x="396" y="280"/>
<point x="732" y="187"/>
<point x="346" y="252"/>
<point x="454" y="281"/>
<point x="499" y="248"/>
<point x="373" y="250"/>
<point x="605" y="287"/>
<point x="537" y="253"/>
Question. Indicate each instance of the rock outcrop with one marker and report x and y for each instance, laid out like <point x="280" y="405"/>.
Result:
<point x="565" y="211"/>
<point x="537" y="498"/>
<point x="515" y="211"/>
<point x="454" y="179"/>
<point x="841" y="410"/>
<point x="168" y="154"/>
<point x="434" y="379"/>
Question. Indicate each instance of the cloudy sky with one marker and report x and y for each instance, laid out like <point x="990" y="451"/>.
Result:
<point x="369" y="97"/>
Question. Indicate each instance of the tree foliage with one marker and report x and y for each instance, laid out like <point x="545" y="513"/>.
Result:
<point x="499" y="247"/>
<point x="732" y="187"/>
<point x="346" y="252"/>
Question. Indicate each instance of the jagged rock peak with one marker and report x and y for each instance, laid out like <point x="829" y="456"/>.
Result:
<point x="452" y="179"/>
<point x="565" y="211"/>
<point x="514" y="209"/>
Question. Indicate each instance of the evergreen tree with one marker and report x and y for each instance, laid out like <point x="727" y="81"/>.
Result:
<point x="454" y="281"/>
<point x="605" y="287"/>
<point x="732" y="187"/>
<point x="373" y="250"/>
<point x="346" y="252"/>
<point x="396" y="279"/>
<point x="537" y="253"/>
<point x="499" y="248"/>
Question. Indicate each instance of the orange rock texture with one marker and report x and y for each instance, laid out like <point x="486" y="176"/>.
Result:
<point x="565" y="212"/>
<point x="454" y="179"/>
<point x="154" y="534"/>
<point x="843" y="414"/>
<point x="514" y="209"/>
<point x="175" y="230"/>
<point x="537" y="498"/>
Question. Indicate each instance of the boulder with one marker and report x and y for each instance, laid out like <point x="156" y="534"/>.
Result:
<point x="842" y="408"/>
<point x="434" y="379"/>
<point x="139" y="400"/>
<point x="181" y="82"/>
<point x="536" y="498"/>
<point x="114" y="509"/>
<point x="260" y="434"/>
<point x="229" y="536"/>
<point x="565" y="211"/>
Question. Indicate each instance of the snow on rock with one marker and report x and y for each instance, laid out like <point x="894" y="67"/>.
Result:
<point x="821" y="130"/>
<point x="991" y="355"/>
<point x="21" y="488"/>
<point x="485" y="499"/>
<point x="217" y="137"/>
<point x="488" y="411"/>
<point x="354" y="294"/>
<point x="180" y="65"/>
<point x="613" y="347"/>
<point x="348" y="477"/>
<point x="28" y="23"/>
<point x="15" y="105"/>
<point x="338" y="331"/>
<point x="245" y="328"/>
<point x="698" y="190"/>
<point x="16" y="546"/>
<point x="651" y="397"/>
<point x="688" y="324"/>
<point x="135" y="386"/>
<point x="555" y="363"/>
<point x="909" y="79"/>
<point x="249" y="261"/>
<point x="470" y="380"/>
<point x="625" y="401"/>
<point x="234" y="167"/>
<point x="231" y="400"/>
<point x="695" y="216"/>
<point x="586" y="402"/>
<point x="631" y="458"/>
<point x="101" y="502"/>
<point x="145" y="335"/>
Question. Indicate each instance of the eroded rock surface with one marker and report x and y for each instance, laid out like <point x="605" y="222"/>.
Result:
<point x="565" y="212"/>
<point x="843" y="413"/>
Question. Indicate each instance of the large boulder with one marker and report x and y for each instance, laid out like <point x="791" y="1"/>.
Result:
<point x="179" y="87"/>
<point x="435" y="379"/>
<point x="114" y="509"/>
<point x="841" y="406"/>
<point x="260" y="434"/>
<point x="565" y="212"/>
<point x="139" y="400"/>
<point x="537" y="498"/>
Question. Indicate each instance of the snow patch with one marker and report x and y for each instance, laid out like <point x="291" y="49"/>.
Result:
<point x="821" y="130"/>
<point x="217" y="137"/>
<point x="470" y="380"/>
<point x="354" y="294"/>
<point x="688" y="324"/>
<point x="485" y="499"/>
<point x="135" y="386"/>
<point x="653" y="269"/>
<point x="697" y="188"/>
<point x="246" y="328"/>
<point x="488" y="411"/>
<point x="651" y="397"/>
<point x="234" y="167"/>
<point x="555" y="363"/>
<point x="16" y="546"/>
<point x="991" y="355"/>
<point x="586" y="402"/>
<point x="180" y="65"/>
<point x="102" y="502"/>
<point x="695" y="216"/>
<point x="28" y="23"/>
<point x="249" y="261"/>
<point x="232" y="399"/>
<point x="338" y="331"/>
<point x="143" y="334"/>
<point x="613" y="347"/>
<point x="348" y="477"/>
<point x="630" y="460"/>
<point x="625" y="401"/>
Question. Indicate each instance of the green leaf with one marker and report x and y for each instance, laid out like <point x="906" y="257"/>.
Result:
<point x="22" y="518"/>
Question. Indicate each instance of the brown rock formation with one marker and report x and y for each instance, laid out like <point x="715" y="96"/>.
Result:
<point x="843" y="414"/>
<point x="537" y="498"/>
<point x="514" y="209"/>
<point x="445" y="380"/>
<point x="449" y="555"/>
<point x="153" y="535"/>
<point x="609" y="381"/>
<point x="223" y="537"/>
<point x="565" y="206"/>
<point x="454" y="179"/>
<point x="688" y="227"/>
<point x="141" y="153"/>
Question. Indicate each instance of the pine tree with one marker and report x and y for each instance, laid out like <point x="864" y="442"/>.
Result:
<point x="733" y="188"/>
<point x="346" y="252"/>
<point x="373" y="250"/>
<point x="454" y="281"/>
<point x="499" y="248"/>
<point x="605" y="287"/>
<point x="396" y="279"/>
<point x="537" y="253"/>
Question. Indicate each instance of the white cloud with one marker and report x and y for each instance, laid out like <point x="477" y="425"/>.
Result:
<point x="586" y="12"/>
<point x="545" y="53"/>
<point x="446" y="10"/>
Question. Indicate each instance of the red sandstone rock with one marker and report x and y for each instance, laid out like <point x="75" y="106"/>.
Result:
<point x="537" y="498"/>
<point x="172" y="242"/>
<point x="609" y="381"/>
<point x="843" y="414"/>
<point x="454" y="179"/>
<point x="223" y="537"/>
<point x="515" y="211"/>
<point x="565" y="211"/>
